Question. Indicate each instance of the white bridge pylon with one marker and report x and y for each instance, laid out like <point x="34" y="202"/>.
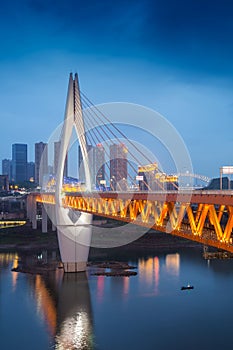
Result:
<point x="74" y="235"/>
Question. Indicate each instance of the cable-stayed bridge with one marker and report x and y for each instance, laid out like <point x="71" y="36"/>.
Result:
<point x="119" y="179"/>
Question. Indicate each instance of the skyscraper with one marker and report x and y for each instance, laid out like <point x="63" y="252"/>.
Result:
<point x="19" y="162"/>
<point x="41" y="160"/>
<point x="96" y="159"/>
<point x="99" y="164"/>
<point x="57" y="146"/>
<point x="118" y="166"/>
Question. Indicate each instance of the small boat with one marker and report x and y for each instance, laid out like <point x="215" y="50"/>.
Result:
<point x="187" y="287"/>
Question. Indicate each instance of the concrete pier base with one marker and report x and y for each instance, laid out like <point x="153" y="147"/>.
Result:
<point x="74" y="243"/>
<point x="75" y="267"/>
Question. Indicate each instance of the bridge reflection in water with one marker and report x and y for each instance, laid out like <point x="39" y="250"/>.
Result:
<point x="63" y="303"/>
<point x="74" y="322"/>
<point x="153" y="296"/>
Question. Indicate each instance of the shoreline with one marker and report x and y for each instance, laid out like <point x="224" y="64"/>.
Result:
<point x="24" y="238"/>
<point x="29" y="243"/>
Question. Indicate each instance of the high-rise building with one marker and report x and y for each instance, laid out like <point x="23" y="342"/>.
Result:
<point x="118" y="166"/>
<point x="57" y="146"/>
<point x="96" y="160"/>
<point x="31" y="171"/>
<point x="19" y="162"/>
<point x="7" y="168"/>
<point x="41" y="160"/>
<point x="147" y="175"/>
<point x="81" y="171"/>
<point x="99" y="164"/>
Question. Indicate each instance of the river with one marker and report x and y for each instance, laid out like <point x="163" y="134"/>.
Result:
<point x="147" y="311"/>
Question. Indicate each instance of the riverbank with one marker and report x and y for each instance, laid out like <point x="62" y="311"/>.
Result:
<point x="31" y="245"/>
<point x="23" y="238"/>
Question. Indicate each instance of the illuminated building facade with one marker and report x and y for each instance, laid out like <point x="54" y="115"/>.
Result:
<point x="96" y="161"/>
<point x="147" y="174"/>
<point x="99" y="164"/>
<point x="150" y="179"/>
<point x="118" y="166"/>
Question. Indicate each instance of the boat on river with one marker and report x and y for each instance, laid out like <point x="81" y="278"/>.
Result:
<point x="187" y="287"/>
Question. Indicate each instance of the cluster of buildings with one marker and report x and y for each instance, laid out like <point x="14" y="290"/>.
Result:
<point x="151" y="179"/>
<point x="18" y="170"/>
<point x="108" y="169"/>
<point x="104" y="172"/>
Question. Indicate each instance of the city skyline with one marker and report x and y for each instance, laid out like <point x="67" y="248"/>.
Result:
<point x="175" y="58"/>
<point x="33" y="170"/>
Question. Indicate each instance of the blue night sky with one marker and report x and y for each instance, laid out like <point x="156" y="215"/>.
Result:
<point x="174" y="56"/>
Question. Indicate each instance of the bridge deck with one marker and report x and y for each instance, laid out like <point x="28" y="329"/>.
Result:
<point x="207" y="197"/>
<point x="202" y="216"/>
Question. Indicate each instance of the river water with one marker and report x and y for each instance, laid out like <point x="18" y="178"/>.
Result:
<point x="147" y="311"/>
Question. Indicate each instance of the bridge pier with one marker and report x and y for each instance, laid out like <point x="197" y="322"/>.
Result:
<point x="44" y="219"/>
<point x="28" y="206"/>
<point x="32" y="210"/>
<point x="34" y="213"/>
<point x="74" y="243"/>
<point x="52" y="216"/>
<point x="74" y="238"/>
<point x="50" y="209"/>
<point x="53" y="227"/>
<point x="74" y="255"/>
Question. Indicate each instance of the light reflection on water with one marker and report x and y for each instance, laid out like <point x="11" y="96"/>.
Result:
<point x="74" y="330"/>
<point x="74" y="333"/>
<point x="58" y="303"/>
<point x="45" y="305"/>
<point x="86" y="312"/>
<point x="63" y="301"/>
<point x="100" y="288"/>
<point x="173" y="264"/>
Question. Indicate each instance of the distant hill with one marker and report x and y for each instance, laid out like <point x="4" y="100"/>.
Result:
<point x="215" y="184"/>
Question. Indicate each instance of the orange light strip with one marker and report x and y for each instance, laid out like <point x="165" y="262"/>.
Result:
<point x="202" y="222"/>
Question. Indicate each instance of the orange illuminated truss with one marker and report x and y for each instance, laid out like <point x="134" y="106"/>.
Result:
<point x="205" y="217"/>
